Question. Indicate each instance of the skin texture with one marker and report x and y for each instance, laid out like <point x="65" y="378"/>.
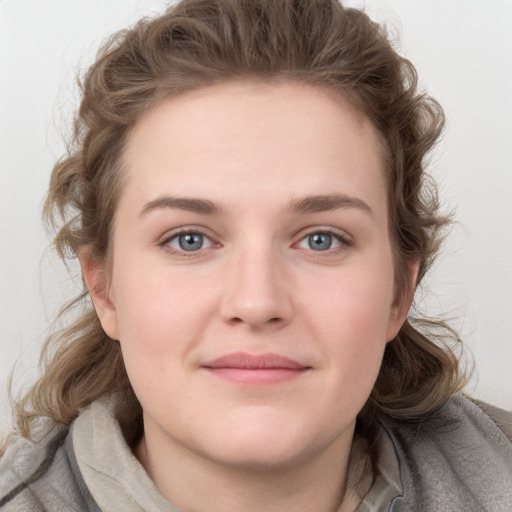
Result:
<point x="255" y="286"/>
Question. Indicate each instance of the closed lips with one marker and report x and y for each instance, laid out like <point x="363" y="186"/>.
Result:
<point x="243" y="360"/>
<point x="255" y="370"/>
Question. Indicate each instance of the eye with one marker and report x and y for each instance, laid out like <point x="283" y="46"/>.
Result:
<point x="321" y="241"/>
<point x="188" y="242"/>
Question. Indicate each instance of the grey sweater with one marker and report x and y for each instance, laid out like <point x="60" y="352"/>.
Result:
<point x="458" y="460"/>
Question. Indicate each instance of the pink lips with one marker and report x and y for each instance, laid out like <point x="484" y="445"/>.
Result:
<point x="261" y="369"/>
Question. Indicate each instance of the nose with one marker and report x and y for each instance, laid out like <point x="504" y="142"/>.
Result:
<point x="258" y="291"/>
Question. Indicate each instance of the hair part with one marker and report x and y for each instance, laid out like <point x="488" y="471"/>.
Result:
<point x="198" y="43"/>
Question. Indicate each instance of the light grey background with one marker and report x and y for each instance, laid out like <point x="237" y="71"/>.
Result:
<point x="463" y="52"/>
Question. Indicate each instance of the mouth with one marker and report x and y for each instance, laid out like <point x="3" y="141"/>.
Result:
<point x="250" y="369"/>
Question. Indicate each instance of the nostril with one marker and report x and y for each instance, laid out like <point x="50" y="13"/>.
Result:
<point x="271" y="321"/>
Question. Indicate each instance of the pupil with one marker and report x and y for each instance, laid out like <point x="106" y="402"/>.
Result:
<point x="320" y="241"/>
<point x="191" y="241"/>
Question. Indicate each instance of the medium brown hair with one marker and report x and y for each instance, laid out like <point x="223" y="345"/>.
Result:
<point x="203" y="42"/>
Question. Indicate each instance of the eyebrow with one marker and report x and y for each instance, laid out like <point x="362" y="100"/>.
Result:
<point x="308" y="204"/>
<point x="322" y="203"/>
<point x="188" y="204"/>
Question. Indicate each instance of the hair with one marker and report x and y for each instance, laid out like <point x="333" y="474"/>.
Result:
<point x="198" y="43"/>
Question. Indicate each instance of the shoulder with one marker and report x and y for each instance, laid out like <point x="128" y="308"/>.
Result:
<point x="502" y="418"/>
<point x="458" y="459"/>
<point x="43" y="476"/>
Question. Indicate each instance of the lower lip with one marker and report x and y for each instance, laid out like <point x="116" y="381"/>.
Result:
<point x="260" y="376"/>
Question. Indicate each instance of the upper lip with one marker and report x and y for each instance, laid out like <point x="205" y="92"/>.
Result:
<point x="244" y="360"/>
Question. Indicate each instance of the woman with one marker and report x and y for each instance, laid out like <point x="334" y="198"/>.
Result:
<point x="246" y="195"/>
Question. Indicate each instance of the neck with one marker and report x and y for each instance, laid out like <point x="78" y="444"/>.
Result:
<point x="313" y="483"/>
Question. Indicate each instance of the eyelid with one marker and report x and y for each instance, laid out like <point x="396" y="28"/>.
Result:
<point x="345" y="239"/>
<point x="164" y="240"/>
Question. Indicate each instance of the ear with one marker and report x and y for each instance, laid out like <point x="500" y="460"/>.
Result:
<point x="96" y="280"/>
<point x="401" y="305"/>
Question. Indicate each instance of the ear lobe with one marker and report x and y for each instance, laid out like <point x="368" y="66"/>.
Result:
<point x="402" y="304"/>
<point x="97" y="282"/>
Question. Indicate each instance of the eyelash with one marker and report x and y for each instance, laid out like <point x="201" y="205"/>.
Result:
<point x="164" y="243"/>
<point x="344" y="241"/>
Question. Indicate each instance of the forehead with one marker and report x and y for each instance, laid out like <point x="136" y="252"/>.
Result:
<point x="241" y="138"/>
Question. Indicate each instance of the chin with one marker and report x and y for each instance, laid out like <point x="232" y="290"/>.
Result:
<point x="260" y="456"/>
<point x="264" y="444"/>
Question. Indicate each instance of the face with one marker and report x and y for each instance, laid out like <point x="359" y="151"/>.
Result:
<point x="252" y="285"/>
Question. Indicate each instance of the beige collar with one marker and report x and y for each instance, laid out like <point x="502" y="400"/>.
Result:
<point x="114" y="476"/>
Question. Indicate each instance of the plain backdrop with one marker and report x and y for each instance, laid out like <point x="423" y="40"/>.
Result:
<point x="463" y="52"/>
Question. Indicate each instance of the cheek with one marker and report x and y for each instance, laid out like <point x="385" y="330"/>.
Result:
<point x="359" y="298"/>
<point x="157" y="328"/>
<point x="354" y="341"/>
<point x="160" y="313"/>
<point x="351" y="313"/>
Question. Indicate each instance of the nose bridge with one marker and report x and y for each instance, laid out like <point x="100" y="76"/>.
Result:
<point x="257" y="292"/>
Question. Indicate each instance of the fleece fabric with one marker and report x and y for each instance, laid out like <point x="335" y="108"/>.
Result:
<point x="458" y="460"/>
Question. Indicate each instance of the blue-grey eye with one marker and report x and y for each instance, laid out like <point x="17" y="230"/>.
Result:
<point x="189" y="242"/>
<point x="320" y="241"/>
